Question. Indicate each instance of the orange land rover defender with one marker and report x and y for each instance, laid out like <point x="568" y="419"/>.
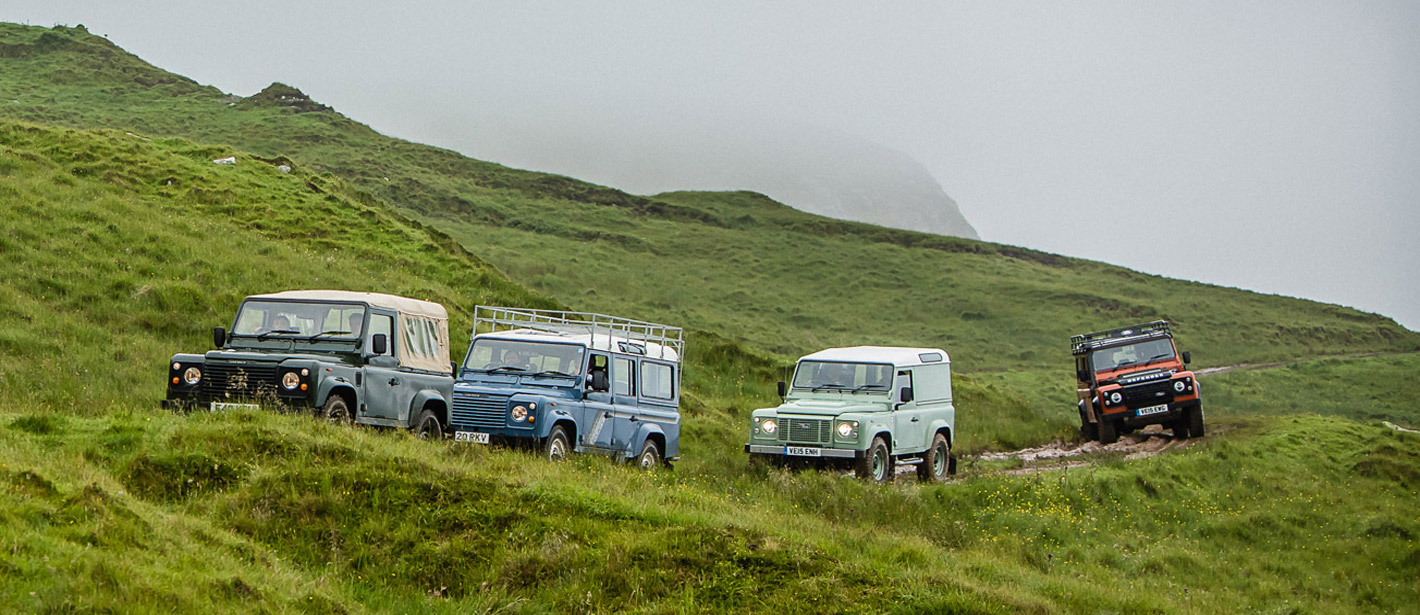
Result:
<point x="1132" y="377"/>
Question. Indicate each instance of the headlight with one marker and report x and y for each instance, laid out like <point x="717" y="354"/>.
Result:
<point x="1178" y="385"/>
<point x="846" y="428"/>
<point x="770" y="426"/>
<point x="192" y="376"/>
<point x="290" y="380"/>
<point x="1115" y="397"/>
<point x="520" y="413"/>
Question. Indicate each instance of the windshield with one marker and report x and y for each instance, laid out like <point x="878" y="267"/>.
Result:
<point x="495" y="355"/>
<point x="1138" y="353"/>
<point x="292" y="319"/>
<point x="835" y="376"/>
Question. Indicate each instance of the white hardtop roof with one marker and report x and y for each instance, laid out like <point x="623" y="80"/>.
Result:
<point x="896" y="355"/>
<point x="599" y="341"/>
<point x="392" y="302"/>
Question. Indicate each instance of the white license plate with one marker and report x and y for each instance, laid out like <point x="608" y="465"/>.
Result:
<point x="803" y="451"/>
<point x="471" y="436"/>
<point x="218" y="406"/>
<point x="1159" y="409"/>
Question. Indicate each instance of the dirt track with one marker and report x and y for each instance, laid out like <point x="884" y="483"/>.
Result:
<point x="1142" y="444"/>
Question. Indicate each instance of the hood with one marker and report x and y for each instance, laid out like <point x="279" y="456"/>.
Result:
<point x="269" y="357"/>
<point x="1125" y="377"/>
<point x="831" y="407"/>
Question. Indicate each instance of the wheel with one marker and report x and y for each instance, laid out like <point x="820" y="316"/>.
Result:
<point x="336" y="411"/>
<point x="650" y="455"/>
<point x="1180" y="428"/>
<point x="1195" y="421"/>
<point x="1088" y="431"/>
<point x="557" y="446"/>
<point x="1109" y="433"/>
<point x="428" y="427"/>
<point x="876" y="465"/>
<point x="937" y="463"/>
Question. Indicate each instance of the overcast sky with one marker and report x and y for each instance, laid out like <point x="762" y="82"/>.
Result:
<point x="1273" y="146"/>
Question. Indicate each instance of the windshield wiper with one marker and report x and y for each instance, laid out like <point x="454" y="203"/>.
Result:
<point x="505" y="368"/>
<point x="827" y="385"/>
<point x="276" y="332"/>
<point x="870" y="386"/>
<point x="1157" y="357"/>
<point x="552" y="372"/>
<point x="311" y="337"/>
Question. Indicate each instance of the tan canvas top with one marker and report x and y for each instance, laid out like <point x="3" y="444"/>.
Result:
<point x="403" y="305"/>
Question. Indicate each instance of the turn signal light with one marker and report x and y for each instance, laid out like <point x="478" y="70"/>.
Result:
<point x="175" y="379"/>
<point x="303" y="386"/>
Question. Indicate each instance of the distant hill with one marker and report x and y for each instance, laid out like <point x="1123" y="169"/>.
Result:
<point x="807" y="167"/>
<point x="735" y="263"/>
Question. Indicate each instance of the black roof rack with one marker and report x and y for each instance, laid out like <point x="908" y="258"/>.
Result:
<point x="1080" y="344"/>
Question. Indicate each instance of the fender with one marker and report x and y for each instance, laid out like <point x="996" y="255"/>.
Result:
<point x="183" y="357"/>
<point x="937" y="425"/>
<point x="416" y="406"/>
<point x="645" y="431"/>
<point x="330" y="385"/>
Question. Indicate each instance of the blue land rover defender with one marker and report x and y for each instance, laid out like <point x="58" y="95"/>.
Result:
<point x="569" y="382"/>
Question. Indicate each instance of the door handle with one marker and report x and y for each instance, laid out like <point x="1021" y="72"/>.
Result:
<point x="394" y="381"/>
<point x="606" y="415"/>
<point x="915" y="419"/>
<point x="634" y="419"/>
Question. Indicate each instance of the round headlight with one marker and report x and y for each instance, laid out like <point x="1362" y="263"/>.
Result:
<point x="192" y="376"/>
<point x="1178" y="385"/>
<point x="1115" y="397"/>
<point x="770" y="426"/>
<point x="520" y="413"/>
<point x="290" y="380"/>
<point x="176" y="366"/>
<point x="845" y="429"/>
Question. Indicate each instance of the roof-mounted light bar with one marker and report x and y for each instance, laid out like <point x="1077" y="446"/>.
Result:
<point x="1081" y="344"/>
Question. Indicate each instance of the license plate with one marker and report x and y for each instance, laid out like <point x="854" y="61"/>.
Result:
<point x="218" y="406"/>
<point x="1159" y="409"/>
<point x="803" y="451"/>
<point x="471" y="436"/>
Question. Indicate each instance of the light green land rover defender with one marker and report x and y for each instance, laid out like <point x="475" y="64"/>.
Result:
<point x="868" y="407"/>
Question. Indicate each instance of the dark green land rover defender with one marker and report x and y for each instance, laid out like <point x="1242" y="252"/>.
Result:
<point x="367" y="358"/>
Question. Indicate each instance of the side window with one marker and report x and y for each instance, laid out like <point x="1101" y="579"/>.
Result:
<point x="621" y="377"/>
<point x="380" y="323"/>
<point x="657" y="380"/>
<point x="904" y="380"/>
<point x="595" y="365"/>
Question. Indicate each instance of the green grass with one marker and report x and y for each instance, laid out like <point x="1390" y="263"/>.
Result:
<point x="1381" y="388"/>
<point x="258" y="512"/>
<point x="121" y="249"/>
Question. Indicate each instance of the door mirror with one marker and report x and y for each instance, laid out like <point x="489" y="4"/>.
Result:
<point x="219" y="337"/>
<point x="906" y="395"/>
<point x="453" y="368"/>
<point x="600" y="382"/>
<point x="379" y="343"/>
<point x="783" y="389"/>
<point x="1187" y="358"/>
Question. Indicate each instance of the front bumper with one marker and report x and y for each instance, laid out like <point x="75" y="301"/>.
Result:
<point x="839" y="453"/>
<point x="1130" y="416"/>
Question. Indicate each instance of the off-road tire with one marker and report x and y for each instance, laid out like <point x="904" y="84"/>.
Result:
<point x="336" y="411"/>
<point x="936" y="462"/>
<point x="558" y="446"/>
<point x="428" y="427"/>
<point x="1088" y="431"/>
<point x="1195" y="421"/>
<point x="876" y="464"/>
<point x="650" y="455"/>
<point x="1180" y="427"/>
<point x="1109" y="432"/>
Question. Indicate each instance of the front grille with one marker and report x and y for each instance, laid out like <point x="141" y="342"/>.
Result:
<point x="805" y="430"/>
<point x="239" y="380"/>
<point x="1148" y="394"/>
<point x="486" y="411"/>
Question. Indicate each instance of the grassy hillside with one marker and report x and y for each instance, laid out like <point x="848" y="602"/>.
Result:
<point x="736" y="264"/>
<point x="120" y="249"/>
